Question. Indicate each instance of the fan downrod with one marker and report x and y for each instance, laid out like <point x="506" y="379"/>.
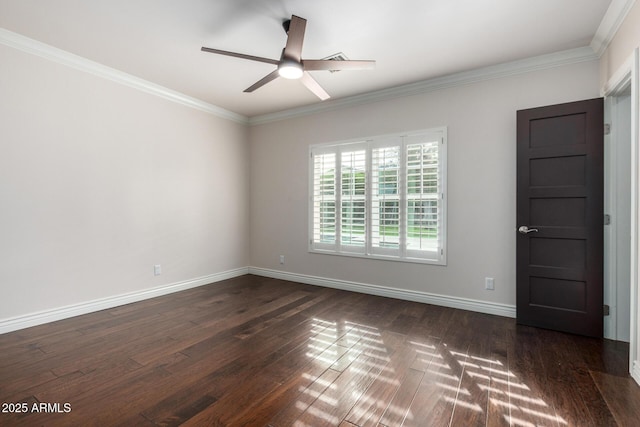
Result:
<point x="285" y="25"/>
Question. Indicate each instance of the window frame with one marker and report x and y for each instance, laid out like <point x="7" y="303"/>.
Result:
<point x="402" y="253"/>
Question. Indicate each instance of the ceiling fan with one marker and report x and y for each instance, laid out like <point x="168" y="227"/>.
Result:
<point x="291" y="65"/>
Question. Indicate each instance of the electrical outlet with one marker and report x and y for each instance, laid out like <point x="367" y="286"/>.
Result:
<point x="281" y="259"/>
<point x="489" y="283"/>
<point x="157" y="270"/>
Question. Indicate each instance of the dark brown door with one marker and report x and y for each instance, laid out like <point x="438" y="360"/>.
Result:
<point x="560" y="217"/>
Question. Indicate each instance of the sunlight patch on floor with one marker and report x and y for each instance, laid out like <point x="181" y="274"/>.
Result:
<point x="455" y="373"/>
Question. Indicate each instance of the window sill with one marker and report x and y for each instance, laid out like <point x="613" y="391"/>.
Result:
<point x="412" y="260"/>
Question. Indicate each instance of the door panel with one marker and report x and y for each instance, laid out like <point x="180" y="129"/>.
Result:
<point x="564" y="294"/>
<point x="560" y="200"/>
<point x="567" y="212"/>
<point x="557" y="171"/>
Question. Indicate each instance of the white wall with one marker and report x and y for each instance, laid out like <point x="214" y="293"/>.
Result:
<point x="481" y="120"/>
<point x="99" y="182"/>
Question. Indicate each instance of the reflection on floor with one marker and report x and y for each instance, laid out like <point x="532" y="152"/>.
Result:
<point x="457" y="378"/>
<point x="256" y="351"/>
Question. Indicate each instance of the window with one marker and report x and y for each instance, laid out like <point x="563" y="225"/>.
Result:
<point x="381" y="197"/>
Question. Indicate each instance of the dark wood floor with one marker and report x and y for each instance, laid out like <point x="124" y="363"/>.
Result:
<point x="262" y="352"/>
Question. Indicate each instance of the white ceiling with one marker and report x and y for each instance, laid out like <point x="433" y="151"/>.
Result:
<point x="411" y="40"/>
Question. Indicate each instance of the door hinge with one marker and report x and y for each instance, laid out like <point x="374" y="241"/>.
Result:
<point x="605" y="309"/>
<point x="607" y="128"/>
<point x="607" y="219"/>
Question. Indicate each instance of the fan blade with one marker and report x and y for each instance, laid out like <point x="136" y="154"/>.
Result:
<point x="314" y="87"/>
<point x="295" y="37"/>
<point x="266" y="79"/>
<point x="334" y="65"/>
<point x="240" y="55"/>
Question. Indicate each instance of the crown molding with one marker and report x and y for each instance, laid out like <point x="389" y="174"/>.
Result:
<point x="613" y="18"/>
<point x="507" y="69"/>
<point x="34" y="47"/>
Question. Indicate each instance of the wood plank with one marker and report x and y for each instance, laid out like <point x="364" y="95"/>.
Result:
<point x="338" y="399"/>
<point x="376" y="400"/>
<point x="473" y="395"/>
<point x="565" y="384"/>
<point x="437" y="393"/>
<point x="622" y="395"/>
<point x="398" y="409"/>
<point x="296" y="407"/>
<point x="528" y="396"/>
<point x="291" y="390"/>
<point x="499" y="397"/>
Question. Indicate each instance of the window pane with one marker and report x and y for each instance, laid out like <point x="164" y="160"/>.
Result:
<point x="389" y="225"/>
<point x="324" y="198"/>
<point x="353" y="173"/>
<point x="353" y="223"/>
<point x="422" y="168"/>
<point x="385" y="201"/>
<point x="422" y="224"/>
<point x="423" y="196"/>
<point x="352" y="228"/>
<point x="327" y="225"/>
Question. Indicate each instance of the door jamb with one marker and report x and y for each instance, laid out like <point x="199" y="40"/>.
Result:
<point x="634" y="358"/>
<point x="610" y="229"/>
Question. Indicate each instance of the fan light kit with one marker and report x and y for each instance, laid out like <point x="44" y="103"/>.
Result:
<point x="290" y="70"/>
<point x="291" y="65"/>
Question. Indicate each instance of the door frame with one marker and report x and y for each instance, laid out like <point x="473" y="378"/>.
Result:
<point x="616" y="142"/>
<point x="627" y="76"/>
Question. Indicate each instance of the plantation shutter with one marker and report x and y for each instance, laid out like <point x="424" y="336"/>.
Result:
<point x="383" y="198"/>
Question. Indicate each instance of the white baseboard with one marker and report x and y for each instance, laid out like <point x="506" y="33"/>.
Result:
<point x="33" y="319"/>
<point x="504" y="310"/>
<point x="635" y="371"/>
<point x="39" y="318"/>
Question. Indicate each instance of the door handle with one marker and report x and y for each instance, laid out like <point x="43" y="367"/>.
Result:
<point x="523" y="229"/>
